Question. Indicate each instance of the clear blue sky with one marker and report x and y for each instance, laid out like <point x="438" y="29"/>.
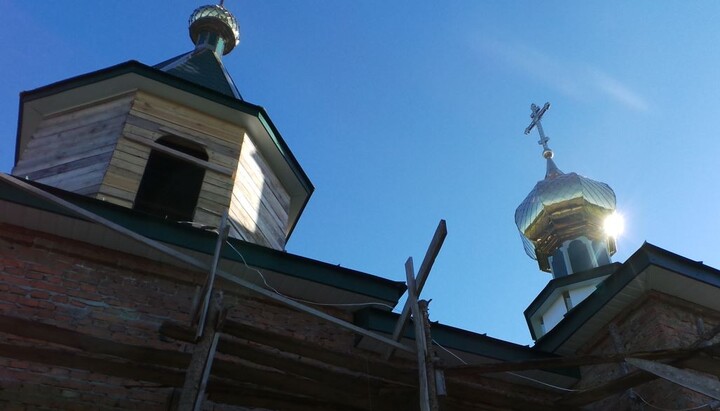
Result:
<point x="406" y="112"/>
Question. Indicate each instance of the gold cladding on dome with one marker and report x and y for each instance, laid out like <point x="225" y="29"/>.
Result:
<point x="563" y="207"/>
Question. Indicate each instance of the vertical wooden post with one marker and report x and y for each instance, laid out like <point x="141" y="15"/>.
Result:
<point x="419" y="335"/>
<point x="434" y="404"/>
<point x="198" y="372"/>
<point x="201" y="315"/>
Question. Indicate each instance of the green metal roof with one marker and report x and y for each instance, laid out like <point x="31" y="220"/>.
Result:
<point x="202" y="67"/>
<point x="459" y="339"/>
<point x="199" y="240"/>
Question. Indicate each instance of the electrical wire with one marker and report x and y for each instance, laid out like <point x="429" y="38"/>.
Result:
<point x="450" y="352"/>
<point x="273" y="289"/>
<point x="508" y="372"/>
<point x="543" y="383"/>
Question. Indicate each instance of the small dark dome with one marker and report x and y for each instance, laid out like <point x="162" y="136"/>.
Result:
<point x="218" y="20"/>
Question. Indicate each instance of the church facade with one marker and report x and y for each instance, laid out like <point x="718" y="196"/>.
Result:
<point x="142" y="266"/>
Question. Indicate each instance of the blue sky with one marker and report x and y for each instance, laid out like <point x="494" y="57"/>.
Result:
<point x="406" y="112"/>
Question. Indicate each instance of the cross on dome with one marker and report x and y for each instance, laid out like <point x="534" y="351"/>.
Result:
<point x="536" y="116"/>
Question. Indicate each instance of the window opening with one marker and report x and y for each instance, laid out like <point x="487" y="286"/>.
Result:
<point x="170" y="186"/>
<point x="558" y="264"/>
<point x="579" y="256"/>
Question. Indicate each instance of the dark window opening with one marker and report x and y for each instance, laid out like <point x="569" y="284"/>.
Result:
<point x="170" y="186"/>
<point x="579" y="256"/>
<point x="601" y="253"/>
<point x="558" y="264"/>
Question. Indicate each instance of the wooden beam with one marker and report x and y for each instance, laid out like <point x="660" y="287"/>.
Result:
<point x="419" y="335"/>
<point x="196" y="376"/>
<point x="500" y="394"/>
<point x="199" y="264"/>
<point x="425" y="267"/>
<point x="253" y="398"/>
<point x="95" y="345"/>
<point x="429" y="356"/>
<point x="164" y="367"/>
<point x="224" y="373"/>
<point x="568" y="362"/>
<point x="693" y="381"/>
<point x="329" y="375"/>
<point x="206" y="294"/>
<point x="178" y="154"/>
<point x="357" y="364"/>
<point x="232" y="376"/>
<point x="634" y="378"/>
<point x="81" y="361"/>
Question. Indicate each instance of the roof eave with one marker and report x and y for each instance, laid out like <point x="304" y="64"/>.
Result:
<point x="646" y="256"/>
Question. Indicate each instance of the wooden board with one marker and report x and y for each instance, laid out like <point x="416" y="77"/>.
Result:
<point x="187" y="118"/>
<point x="260" y="204"/>
<point x="71" y="149"/>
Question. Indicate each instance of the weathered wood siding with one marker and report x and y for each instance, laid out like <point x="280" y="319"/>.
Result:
<point x="149" y="119"/>
<point x="260" y="203"/>
<point x="101" y="150"/>
<point x="71" y="149"/>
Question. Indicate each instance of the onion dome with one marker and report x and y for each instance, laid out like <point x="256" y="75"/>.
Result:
<point x="214" y="26"/>
<point x="564" y="214"/>
<point x="560" y="208"/>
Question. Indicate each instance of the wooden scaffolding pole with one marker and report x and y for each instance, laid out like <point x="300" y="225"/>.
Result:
<point x="699" y="383"/>
<point x="198" y="372"/>
<point x="429" y="351"/>
<point x="201" y="314"/>
<point x="422" y="275"/>
<point x="419" y="336"/>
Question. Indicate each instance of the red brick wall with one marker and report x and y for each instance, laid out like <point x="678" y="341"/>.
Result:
<point x="116" y="296"/>
<point x="659" y="321"/>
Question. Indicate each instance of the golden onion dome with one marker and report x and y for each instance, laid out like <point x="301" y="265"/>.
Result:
<point x="218" y="20"/>
<point x="563" y="207"/>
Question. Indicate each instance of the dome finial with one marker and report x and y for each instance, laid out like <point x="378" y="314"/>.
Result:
<point x="214" y="27"/>
<point x="536" y="116"/>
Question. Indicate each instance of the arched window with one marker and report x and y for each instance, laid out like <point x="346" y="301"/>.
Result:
<point x="579" y="256"/>
<point x="558" y="264"/>
<point x="601" y="253"/>
<point x="170" y="186"/>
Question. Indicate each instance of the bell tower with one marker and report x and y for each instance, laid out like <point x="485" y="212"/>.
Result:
<point x="561" y="223"/>
<point x="175" y="140"/>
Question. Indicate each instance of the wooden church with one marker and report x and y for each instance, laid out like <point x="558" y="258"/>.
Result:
<point x="142" y="267"/>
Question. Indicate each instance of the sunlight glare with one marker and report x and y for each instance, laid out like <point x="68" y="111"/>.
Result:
<point x="614" y="225"/>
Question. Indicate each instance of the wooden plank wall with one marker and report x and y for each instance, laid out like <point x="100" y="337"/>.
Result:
<point x="101" y="150"/>
<point x="71" y="149"/>
<point x="150" y="118"/>
<point x="260" y="204"/>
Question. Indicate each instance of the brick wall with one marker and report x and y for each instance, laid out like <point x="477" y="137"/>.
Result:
<point x="658" y="321"/>
<point x="119" y="297"/>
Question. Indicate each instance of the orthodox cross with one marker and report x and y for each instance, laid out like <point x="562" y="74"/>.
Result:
<point x="536" y="116"/>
